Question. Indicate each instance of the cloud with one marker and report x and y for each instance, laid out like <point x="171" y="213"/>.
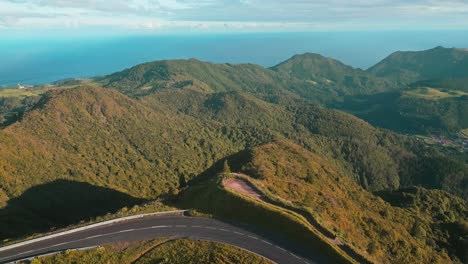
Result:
<point x="206" y="15"/>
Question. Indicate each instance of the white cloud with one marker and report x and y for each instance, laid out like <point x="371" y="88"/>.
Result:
<point x="206" y="15"/>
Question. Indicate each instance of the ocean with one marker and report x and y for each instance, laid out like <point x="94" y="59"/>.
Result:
<point x="37" y="60"/>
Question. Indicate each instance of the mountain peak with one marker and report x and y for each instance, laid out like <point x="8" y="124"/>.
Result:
<point x="313" y="66"/>
<point x="412" y="66"/>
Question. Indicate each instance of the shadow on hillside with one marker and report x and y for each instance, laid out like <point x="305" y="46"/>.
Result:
<point x="235" y="161"/>
<point x="58" y="204"/>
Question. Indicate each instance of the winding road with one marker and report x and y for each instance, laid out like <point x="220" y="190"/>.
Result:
<point x="155" y="227"/>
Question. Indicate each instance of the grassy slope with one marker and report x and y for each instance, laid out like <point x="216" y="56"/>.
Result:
<point x="18" y="93"/>
<point x="374" y="228"/>
<point x="209" y="197"/>
<point x="431" y="93"/>
<point x="158" y="251"/>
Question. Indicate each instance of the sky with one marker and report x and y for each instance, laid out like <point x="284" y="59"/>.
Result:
<point x="173" y="16"/>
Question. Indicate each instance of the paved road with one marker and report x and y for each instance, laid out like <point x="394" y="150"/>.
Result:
<point x="154" y="227"/>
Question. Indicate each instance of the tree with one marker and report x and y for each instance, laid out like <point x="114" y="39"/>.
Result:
<point x="226" y="168"/>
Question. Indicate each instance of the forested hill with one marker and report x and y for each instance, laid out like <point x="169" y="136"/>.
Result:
<point x="384" y="95"/>
<point x="160" y="126"/>
<point x="412" y="66"/>
<point x="328" y="73"/>
<point x="310" y="77"/>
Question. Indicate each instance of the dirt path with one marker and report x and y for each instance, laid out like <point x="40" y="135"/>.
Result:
<point x="243" y="187"/>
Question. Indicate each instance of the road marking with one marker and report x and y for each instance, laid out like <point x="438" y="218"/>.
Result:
<point x="281" y="248"/>
<point x="56" y="245"/>
<point x="162" y="226"/>
<point x="128" y="230"/>
<point x="86" y="238"/>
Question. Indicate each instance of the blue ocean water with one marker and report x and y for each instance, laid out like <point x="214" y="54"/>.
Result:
<point x="36" y="60"/>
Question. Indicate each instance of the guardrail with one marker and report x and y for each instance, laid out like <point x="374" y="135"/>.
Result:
<point x="89" y="227"/>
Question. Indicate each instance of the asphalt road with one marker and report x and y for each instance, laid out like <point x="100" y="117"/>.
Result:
<point x="155" y="227"/>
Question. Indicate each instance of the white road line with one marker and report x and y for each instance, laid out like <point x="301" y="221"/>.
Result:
<point x="281" y="248"/>
<point x="86" y="238"/>
<point x="128" y="230"/>
<point x="163" y="226"/>
<point x="113" y="221"/>
<point x="56" y="245"/>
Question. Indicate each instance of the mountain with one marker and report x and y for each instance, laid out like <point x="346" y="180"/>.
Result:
<point x="412" y="66"/>
<point x="157" y="128"/>
<point x="431" y="98"/>
<point x="331" y="73"/>
<point x="283" y="111"/>
<point x="201" y="76"/>
<point x="308" y="77"/>
<point x="387" y="233"/>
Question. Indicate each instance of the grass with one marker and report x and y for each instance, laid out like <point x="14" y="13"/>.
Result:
<point x="158" y="251"/>
<point x="19" y="93"/>
<point x="38" y="90"/>
<point x="433" y="94"/>
<point x="212" y="198"/>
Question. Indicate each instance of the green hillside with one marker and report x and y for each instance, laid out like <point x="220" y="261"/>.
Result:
<point x="164" y="127"/>
<point x="410" y="231"/>
<point x="412" y="66"/>
<point x="416" y="111"/>
<point x="327" y="73"/>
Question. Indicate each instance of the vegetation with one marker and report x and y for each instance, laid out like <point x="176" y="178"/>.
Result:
<point x="431" y="93"/>
<point x="157" y="251"/>
<point x="436" y="112"/>
<point x="411" y="231"/>
<point x="296" y="233"/>
<point x="329" y="74"/>
<point x="8" y="93"/>
<point x="172" y="125"/>
<point x="409" y="67"/>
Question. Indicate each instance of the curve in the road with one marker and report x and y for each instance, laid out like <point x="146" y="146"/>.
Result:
<point x="155" y="227"/>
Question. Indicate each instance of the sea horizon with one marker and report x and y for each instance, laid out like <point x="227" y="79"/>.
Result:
<point x="35" y="60"/>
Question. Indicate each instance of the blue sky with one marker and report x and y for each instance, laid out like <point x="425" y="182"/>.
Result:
<point x="231" y="15"/>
